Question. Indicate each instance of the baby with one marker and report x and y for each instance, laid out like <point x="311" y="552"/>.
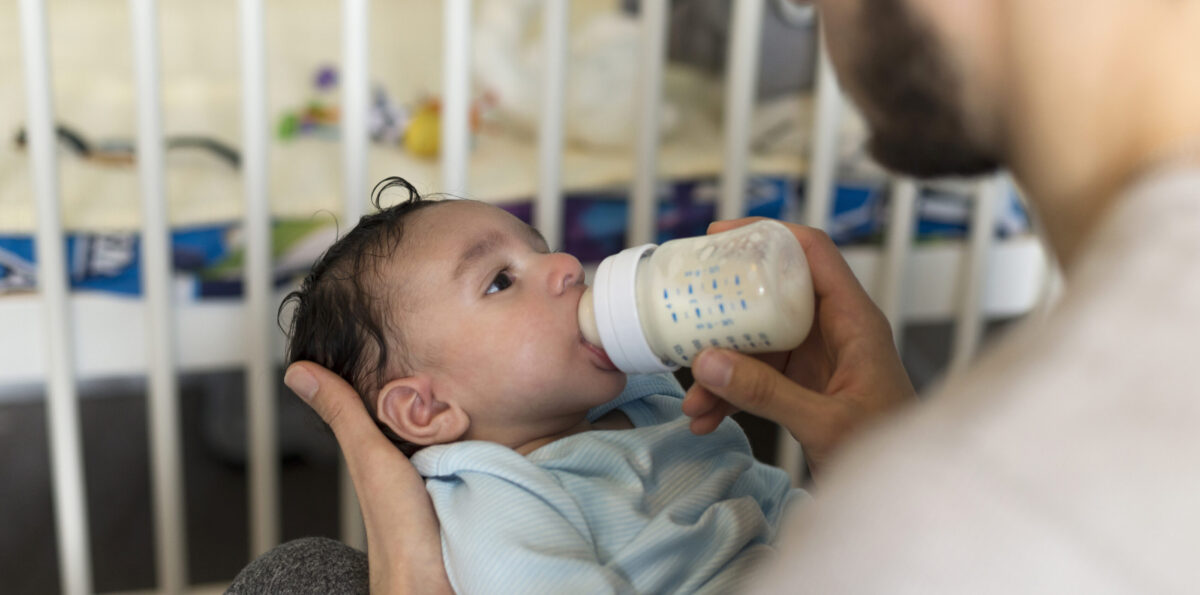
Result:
<point x="550" y="470"/>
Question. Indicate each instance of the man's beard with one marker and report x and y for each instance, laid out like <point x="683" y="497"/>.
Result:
<point x="919" y="127"/>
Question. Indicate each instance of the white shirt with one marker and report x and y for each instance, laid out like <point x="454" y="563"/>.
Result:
<point x="1066" y="461"/>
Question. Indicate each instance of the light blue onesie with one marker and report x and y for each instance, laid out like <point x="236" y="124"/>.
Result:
<point x="653" y="509"/>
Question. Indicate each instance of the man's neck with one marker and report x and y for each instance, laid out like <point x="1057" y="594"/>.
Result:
<point x="1102" y="93"/>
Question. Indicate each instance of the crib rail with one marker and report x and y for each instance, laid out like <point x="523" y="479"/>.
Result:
<point x="166" y="450"/>
<point x="887" y="285"/>
<point x="66" y="462"/>
<point x="259" y="331"/>
<point x="355" y="101"/>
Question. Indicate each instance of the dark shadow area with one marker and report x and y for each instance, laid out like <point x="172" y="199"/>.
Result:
<point x="118" y="486"/>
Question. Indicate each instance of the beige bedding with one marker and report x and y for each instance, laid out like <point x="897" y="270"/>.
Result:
<point x="94" y="93"/>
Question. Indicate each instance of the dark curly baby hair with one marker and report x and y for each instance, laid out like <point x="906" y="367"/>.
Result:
<point x="338" y="319"/>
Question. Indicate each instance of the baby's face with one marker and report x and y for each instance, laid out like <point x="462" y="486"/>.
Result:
<point x="490" y="313"/>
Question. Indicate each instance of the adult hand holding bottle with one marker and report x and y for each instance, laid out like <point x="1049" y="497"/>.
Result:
<point x="845" y="373"/>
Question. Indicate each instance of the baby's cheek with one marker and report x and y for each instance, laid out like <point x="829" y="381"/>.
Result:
<point x="516" y="350"/>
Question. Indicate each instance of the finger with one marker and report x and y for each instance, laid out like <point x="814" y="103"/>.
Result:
<point x="720" y="226"/>
<point x="706" y="423"/>
<point x="699" y="401"/>
<point x="753" y="386"/>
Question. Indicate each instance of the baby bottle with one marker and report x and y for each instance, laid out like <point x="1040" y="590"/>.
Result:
<point x="654" y="308"/>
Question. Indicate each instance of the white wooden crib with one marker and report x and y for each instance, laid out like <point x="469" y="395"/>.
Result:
<point x="58" y="338"/>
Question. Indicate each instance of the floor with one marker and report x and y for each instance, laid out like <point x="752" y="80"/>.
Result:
<point x="118" y="486"/>
<point x="113" y="414"/>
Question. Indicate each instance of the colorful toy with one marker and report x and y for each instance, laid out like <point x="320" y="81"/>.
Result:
<point x="318" y="118"/>
<point x="423" y="135"/>
<point x="416" y="128"/>
<point x="386" y="121"/>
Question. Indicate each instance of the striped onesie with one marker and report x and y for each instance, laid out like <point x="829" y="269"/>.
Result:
<point x="653" y="509"/>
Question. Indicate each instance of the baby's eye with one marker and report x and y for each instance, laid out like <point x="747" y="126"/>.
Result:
<point x="502" y="281"/>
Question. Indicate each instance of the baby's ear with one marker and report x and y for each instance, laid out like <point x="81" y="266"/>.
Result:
<point x="408" y="406"/>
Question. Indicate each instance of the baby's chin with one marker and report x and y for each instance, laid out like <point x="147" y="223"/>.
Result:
<point x="619" y="379"/>
<point x="591" y="392"/>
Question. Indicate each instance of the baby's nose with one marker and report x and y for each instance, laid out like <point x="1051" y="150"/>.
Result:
<point x="565" y="272"/>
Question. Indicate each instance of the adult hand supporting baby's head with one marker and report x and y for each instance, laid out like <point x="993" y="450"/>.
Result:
<point x="845" y="373"/>
<point x="403" y="540"/>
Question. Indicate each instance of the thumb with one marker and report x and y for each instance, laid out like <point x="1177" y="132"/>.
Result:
<point x="750" y="385"/>
<point x="362" y="443"/>
<point x="337" y="403"/>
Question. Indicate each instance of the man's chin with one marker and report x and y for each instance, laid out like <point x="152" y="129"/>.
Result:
<point x="924" y="159"/>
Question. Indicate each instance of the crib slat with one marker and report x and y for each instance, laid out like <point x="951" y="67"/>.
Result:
<point x="355" y="103"/>
<point x="167" y="452"/>
<point x="740" y="86"/>
<point x="62" y="407"/>
<point x="653" y="39"/>
<point x="456" y="97"/>
<point x="549" y="211"/>
<point x="898" y="246"/>
<point x="822" y="166"/>
<point x="969" y="326"/>
<point x="260" y="375"/>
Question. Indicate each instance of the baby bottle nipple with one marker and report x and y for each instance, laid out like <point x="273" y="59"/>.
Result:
<point x="654" y="308"/>
<point x="587" y="319"/>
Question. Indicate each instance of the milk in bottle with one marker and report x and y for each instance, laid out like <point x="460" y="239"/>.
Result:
<point x="654" y="308"/>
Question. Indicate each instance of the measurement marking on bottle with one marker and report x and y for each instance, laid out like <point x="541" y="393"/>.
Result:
<point x="674" y="317"/>
<point x="737" y="280"/>
<point x="666" y="296"/>
<point x="714" y="283"/>
<point x="722" y="308"/>
<point x="697" y="312"/>
<point x="689" y="289"/>
<point x="743" y="304"/>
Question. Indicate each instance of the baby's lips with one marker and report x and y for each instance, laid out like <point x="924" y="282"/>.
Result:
<point x="601" y="354"/>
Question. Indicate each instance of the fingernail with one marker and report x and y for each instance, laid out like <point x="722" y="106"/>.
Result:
<point x="303" y="383"/>
<point x="713" y="368"/>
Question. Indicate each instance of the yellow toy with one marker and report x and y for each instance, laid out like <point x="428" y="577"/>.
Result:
<point x="423" y="135"/>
